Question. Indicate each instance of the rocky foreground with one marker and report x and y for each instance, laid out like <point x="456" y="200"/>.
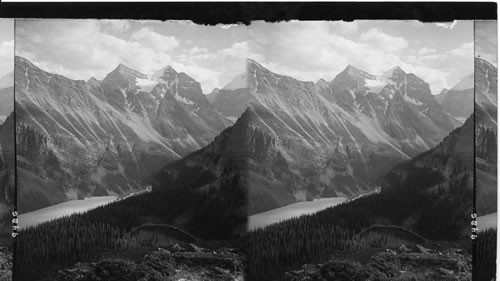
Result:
<point x="402" y="265"/>
<point x="176" y="263"/>
<point x="5" y="264"/>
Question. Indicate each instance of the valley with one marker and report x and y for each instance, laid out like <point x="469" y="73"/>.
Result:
<point x="110" y="137"/>
<point x="312" y="140"/>
<point x="427" y="194"/>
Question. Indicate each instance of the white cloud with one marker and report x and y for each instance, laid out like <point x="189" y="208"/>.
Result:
<point x="226" y="26"/>
<point x="213" y="69"/>
<point x="85" y="48"/>
<point x="117" y="25"/>
<point x="6" y="57"/>
<point x="447" y="25"/>
<point x="158" y="42"/>
<point x="312" y="50"/>
<point x="426" y="51"/>
<point x="345" y="26"/>
<point x="464" y="51"/>
<point x="378" y="39"/>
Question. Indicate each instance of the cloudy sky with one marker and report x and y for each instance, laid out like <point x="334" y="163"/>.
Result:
<point x="6" y="46"/>
<point x="486" y="40"/>
<point x="440" y="53"/>
<point x="80" y="49"/>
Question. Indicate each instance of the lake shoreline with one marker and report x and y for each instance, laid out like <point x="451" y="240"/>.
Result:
<point x="273" y="216"/>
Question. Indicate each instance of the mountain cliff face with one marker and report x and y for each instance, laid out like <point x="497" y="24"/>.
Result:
<point x="233" y="99"/>
<point x="6" y="96"/>
<point x="450" y="160"/>
<point x="486" y="103"/>
<point x="445" y="174"/>
<point x="220" y="171"/>
<point x="7" y="179"/>
<point x="335" y="138"/>
<point x="458" y="100"/>
<point x="81" y="138"/>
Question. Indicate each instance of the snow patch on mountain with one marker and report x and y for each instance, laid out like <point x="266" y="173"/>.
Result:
<point x="412" y="100"/>
<point x="146" y="84"/>
<point x="375" y="85"/>
<point x="182" y="99"/>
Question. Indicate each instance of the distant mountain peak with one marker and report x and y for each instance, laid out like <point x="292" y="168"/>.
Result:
<point x="466" y="83"/>
<point x="350" y="67"/>
<point x="7" y="80"/>
<point x="444" y="91"/>
<point x="238" y="82"/>
<point x="169" y="69"/>
<point x="122" y="67"/>
<point x="393" y="71"/>
<point x="124" y="70"/>
<point x="356" y="72"/>
<point x="164" y="72"/>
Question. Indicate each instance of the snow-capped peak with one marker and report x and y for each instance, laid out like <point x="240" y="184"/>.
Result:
<point x="392" y="73"/>
<point x="123" y="68"/>
<point x="356" y="72"/>
<point x="166" y="72"/>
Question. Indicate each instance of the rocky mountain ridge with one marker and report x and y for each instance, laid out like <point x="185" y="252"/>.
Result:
<point x="486" y="102"/>
<point x="337" y="138"/>
<point x="85" y="138"/>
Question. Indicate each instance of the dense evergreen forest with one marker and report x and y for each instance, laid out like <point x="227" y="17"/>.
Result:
<point x="486" y="143"/>
<point x="486" y="247"/>
<point x="214" y="213"/>
<point x="439" y="215"/>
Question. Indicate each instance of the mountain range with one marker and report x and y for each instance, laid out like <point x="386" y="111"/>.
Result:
<point x="304" y="140"/>
<point x="309" y="140"/>
<point x="80" y="138"/>
<point x="486" y="102"/>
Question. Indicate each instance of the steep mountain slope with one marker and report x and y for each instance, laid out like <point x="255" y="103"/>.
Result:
<point x="6" y="96"/>
<point x="458" y="100"/>
<point x="451" y="159"/>
<point x="7" y="180"/>
<point x="233" y="99"/>
<point x="334" y="139"/>
<point x="211" y="97"/>
<point x="220" y="170"/>
<point x="428" y="196"/>
<point x="78" y="138"/>
<point x="6" y="152"/>
<point x="486" y="103"/>
<point x="446" y="174"/>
